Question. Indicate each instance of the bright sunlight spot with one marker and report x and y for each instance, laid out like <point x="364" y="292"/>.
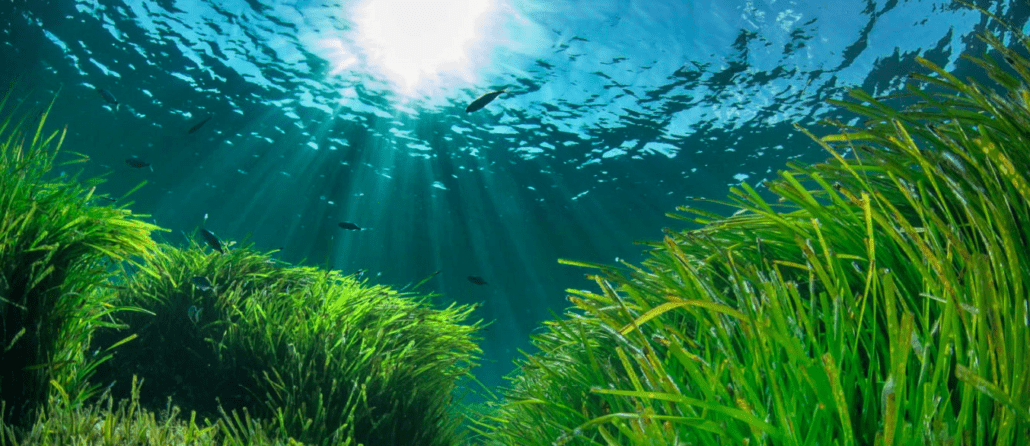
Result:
<point x="413" y="39"/>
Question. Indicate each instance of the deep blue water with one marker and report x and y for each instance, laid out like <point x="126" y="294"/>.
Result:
<point x="616" y="112"/>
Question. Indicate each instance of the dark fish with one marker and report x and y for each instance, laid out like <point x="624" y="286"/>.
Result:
<point x="477" y="280"/>
<point x="137" y="163"/>
<point x="202" y="283"/>
<point x="109" y="97"/>
<point x="199" y="124"/>
<point x="483" y="100"/>
<point x="349" y="225"/>
<point x="212" y="240"/>
<point x="193" y="312"/>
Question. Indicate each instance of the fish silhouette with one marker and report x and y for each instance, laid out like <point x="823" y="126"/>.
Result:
<point x="483" y="100"/>
<point x="109" y="98"/>
<point x="137" y="163"/>
<point x="201" y="283"/>
<point x="212" y="240"/>
<point x="193" y="313"/>
<point x="200" y="124"/>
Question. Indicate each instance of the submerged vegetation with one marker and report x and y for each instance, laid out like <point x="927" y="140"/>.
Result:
<point x="882" y="298"/>
<point x="56" y="244"/>
<point x="255" y="351"/>
<point x="320" y="354"/>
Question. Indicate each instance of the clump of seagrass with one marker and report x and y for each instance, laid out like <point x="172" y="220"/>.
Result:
<point x="882" y="300"/>
<point x="57" y="241"/>
<point x="112" y="423"/>
<point x="298" y="352"/>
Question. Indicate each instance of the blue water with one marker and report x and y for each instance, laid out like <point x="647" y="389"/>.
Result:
<point x="330" y="111"/>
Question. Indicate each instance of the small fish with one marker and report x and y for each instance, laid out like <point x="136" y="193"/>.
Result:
<point x="483" y="100"/>
<point x="137" y="163"/>
<point x="193" y="313"/>
<point x="349" y="225"/>
<point x="109" y="98"/>
<point x="477" y="280"/>
<point x="202" y="283"/>
<point x="212" y="240"/>
<point x="199" y="124"/>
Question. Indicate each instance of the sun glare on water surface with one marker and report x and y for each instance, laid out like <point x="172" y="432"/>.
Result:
<point x="413" y="39"/>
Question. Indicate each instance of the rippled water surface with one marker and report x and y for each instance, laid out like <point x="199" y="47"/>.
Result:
<point x="326" y="111"/>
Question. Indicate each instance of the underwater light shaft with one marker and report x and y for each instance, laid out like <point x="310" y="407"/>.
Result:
<point x="414" y="39"/>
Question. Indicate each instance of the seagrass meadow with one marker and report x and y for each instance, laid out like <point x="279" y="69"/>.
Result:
<point x="55" y="249"/>
<point x="109" y="335"/>
<point x="877" y="298"/>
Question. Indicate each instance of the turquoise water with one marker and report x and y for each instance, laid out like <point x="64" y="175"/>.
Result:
<point x="321" y="112"/>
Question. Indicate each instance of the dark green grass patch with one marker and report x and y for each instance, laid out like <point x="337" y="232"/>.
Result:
<point x="319" y="357"/>
<point x="58" y="239"/>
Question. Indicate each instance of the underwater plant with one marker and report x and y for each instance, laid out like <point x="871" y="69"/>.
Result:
<point x="58" y="239"/>
<point x="126" y="422"/>
<point x="880" y="299"/>
<point x="289" y="352"/>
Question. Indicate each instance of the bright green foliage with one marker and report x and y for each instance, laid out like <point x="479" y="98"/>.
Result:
<point x="109" y="424"/>
<point x="275" y="355"/>
<point x="882" y="299"/>
<point x="295" y="352"/>
<point x="57" y="240"/>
